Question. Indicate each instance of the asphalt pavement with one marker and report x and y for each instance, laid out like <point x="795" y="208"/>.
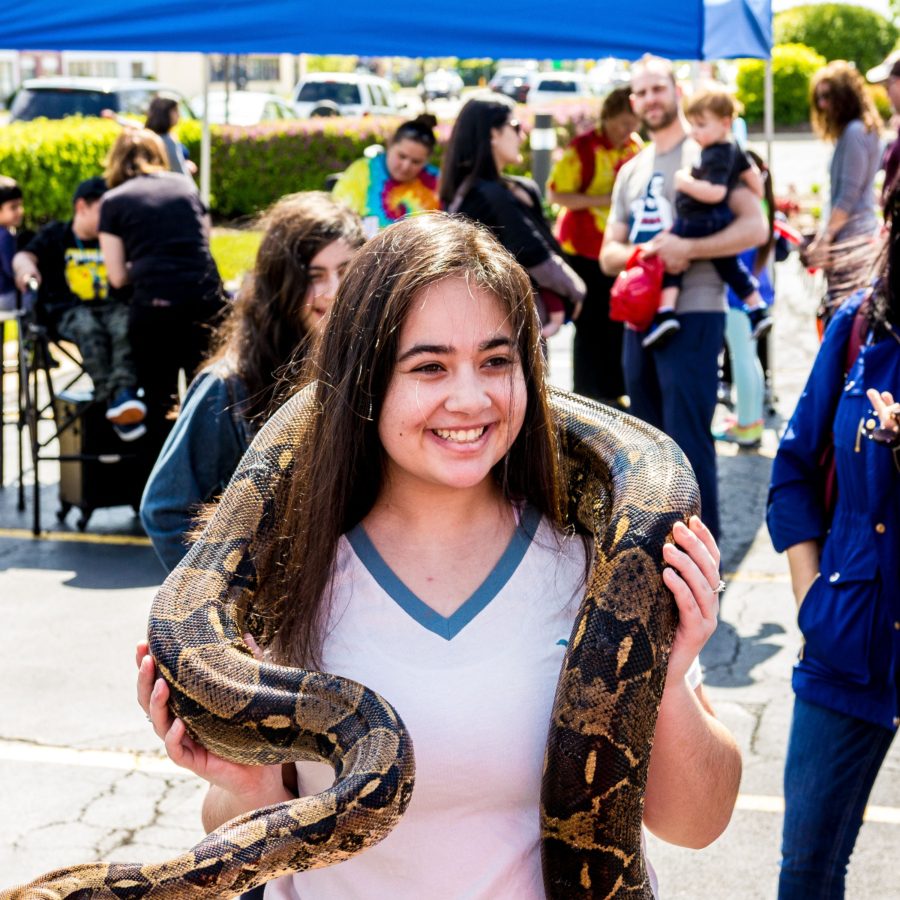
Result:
<point x="82" y="776"/>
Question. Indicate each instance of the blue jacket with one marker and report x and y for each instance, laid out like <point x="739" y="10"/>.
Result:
<point x="197" y="460"/>
<point x="850" y="618"/>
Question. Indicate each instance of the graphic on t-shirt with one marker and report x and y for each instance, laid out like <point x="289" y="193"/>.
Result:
<point x="86" y="273"/>
<point x="651" y="212"/>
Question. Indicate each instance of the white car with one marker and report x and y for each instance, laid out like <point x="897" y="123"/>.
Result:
<point x="244" y="107"/>
<point x="441" y="83"/>
<point x="547" y="88"/>
<point x="344" y="94"/>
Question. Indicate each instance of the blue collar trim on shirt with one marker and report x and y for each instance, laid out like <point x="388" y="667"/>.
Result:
<point x="447" y="628"/>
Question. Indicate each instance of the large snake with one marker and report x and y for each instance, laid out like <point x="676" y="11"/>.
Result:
<point x="627" y="486"/>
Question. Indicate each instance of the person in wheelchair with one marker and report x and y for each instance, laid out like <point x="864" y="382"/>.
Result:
<point x="76" y="302"/>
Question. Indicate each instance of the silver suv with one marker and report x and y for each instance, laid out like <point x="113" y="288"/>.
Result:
<point x="56" y="98"/>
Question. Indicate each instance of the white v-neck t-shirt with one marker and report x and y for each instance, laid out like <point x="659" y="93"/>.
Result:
<point x="475" y="691"/>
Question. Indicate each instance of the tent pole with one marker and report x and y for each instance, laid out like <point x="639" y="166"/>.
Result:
<point x="204" y="139"/>
<point x="769" y="111"/>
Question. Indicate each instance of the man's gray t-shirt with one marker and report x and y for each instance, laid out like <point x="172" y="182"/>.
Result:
<point x="643" y="199"/>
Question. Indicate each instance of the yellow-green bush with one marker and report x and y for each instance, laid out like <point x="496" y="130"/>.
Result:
<point x="793" y="65"/>
<point x="50" y="158"/>
<point x="250" y="167"/>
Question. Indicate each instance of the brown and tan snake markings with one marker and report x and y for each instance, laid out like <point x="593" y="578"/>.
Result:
<point x="627" y="486"/>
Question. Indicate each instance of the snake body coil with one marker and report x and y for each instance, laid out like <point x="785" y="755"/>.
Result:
<point x="627" y="485"/>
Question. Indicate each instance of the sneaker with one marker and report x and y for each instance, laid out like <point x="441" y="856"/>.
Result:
<point x="742" y="435"/>
<point x="760" y="321"/>
<point x="130" y="432"/>
<point x="661" y="331"/>
<point x="125" y="408"/>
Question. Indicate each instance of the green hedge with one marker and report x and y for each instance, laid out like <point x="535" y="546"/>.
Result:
<point x="49" y="159"/>
<point x="251" y="167"/>
<point x="838" y="31"/>
<point x="792" y="67"/>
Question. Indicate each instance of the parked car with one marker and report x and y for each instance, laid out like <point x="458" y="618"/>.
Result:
<point x="244" y="107"/>
<point x="56" y="98"/>
<point x="441" y="83"/>
<point x="547" y="88"/>
<point x="344" y="94"/>
<point x="512" y="81"/>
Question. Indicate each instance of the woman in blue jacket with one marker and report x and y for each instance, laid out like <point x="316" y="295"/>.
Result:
<point x="308" y="242"/>
<point x="845" y="569"/>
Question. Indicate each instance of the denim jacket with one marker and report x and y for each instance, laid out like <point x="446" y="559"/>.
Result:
<point x="197" y="460"/>
<point x="850" y="617"/>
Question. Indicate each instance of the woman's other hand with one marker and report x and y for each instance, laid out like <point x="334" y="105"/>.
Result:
<point x="242" y="781"/>
<point x="886" y="408"/>
<point x="692" y="575"/>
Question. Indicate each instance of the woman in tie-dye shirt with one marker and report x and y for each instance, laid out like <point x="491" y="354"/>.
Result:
<point x="397" y="183"/>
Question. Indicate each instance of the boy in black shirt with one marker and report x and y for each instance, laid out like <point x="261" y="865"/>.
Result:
<point x="76" y="298"/>
<point x="701" y="207"/>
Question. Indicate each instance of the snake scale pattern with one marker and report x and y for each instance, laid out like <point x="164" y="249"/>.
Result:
<point x="627" y="485"/>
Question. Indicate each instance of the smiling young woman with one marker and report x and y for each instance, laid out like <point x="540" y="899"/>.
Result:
<point x="418" y="546"/>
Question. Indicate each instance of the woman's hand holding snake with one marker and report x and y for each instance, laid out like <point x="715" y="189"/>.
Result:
<point x="692" y="574"/>
<point x="260" y="785"/>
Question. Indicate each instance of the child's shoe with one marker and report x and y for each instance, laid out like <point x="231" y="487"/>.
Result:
<point x="126" y="409"/>
<point x="130" y="432"/>
<point x="662" y="330"/>
<point x="742" y="435"/>
<point x="760" y="321"/>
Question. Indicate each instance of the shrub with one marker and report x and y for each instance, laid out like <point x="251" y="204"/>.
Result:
<point x="880" y="98"/>
<point x="792" y="67"/>
<point x="50" y="158"/>
<point x="838" y="31"/>
<point x="250" y="167"/>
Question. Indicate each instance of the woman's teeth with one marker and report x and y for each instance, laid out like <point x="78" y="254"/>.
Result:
<point x="461" y="437"/>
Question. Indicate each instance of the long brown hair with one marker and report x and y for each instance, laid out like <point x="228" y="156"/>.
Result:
<point x="339" y="470"/>
<point x="847" y="100"/>
<point x="764" y="250"/>
<point x="263" y="330"/>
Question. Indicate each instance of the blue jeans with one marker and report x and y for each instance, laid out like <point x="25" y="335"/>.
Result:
<point x="832" y="761"/>
<point x="673" y="388"/>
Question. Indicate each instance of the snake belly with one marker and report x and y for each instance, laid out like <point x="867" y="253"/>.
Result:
<point x="627" y="485"/>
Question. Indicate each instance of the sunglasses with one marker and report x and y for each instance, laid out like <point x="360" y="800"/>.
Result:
<point x="823" y="95"/>
<point x="515" y="125"/>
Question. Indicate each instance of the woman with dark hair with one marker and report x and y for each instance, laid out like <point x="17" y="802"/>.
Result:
<point x="581" y="182"/>
<point x="162" y="117"/>
<point x="834" y="505"/>
<point x="418" y="546"/>
<point x="400" y="182"/>
<point x="843" y="113"/>
<point x="154" y="235"/>
<point x="308" y="243"/>
<point x="485" y="139"/>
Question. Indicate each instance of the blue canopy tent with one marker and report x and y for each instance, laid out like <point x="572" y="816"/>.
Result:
<point x="685" y="29"/>
<point x="524" y="29"/>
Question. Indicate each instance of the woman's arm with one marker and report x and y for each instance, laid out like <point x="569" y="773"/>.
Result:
<point x="197" y="460"/>
<point x="695" y="764"/>
<point x="113" y="251"/>
<point x="803" y="561"/>
<point x="695" y="770"/>
<point x="578" y="201"/>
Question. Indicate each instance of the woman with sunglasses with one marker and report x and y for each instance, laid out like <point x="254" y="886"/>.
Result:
<point x="842" y="112"/>
<point x="400" y="182"/>
<point x="485" y="139"/>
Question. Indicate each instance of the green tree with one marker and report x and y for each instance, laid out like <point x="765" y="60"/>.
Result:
<point x="838" y="31"/>
<point x="792" y="67"/>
